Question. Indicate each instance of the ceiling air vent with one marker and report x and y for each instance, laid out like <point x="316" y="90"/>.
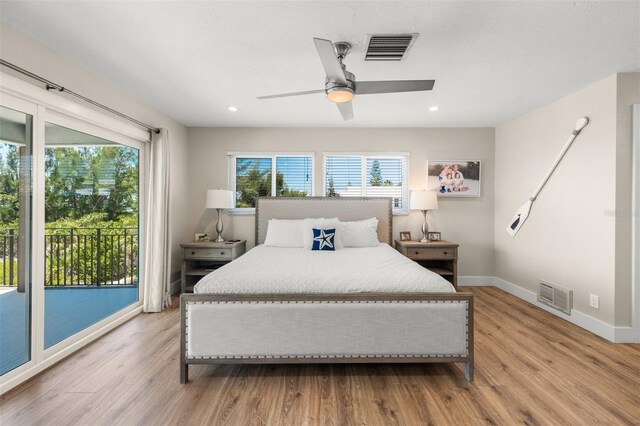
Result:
<point x="388" y="47"/>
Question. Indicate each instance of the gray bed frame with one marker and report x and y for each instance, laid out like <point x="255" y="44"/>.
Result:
<point x="196" y="310"/>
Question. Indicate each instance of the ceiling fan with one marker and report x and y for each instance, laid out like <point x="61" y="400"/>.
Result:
<point x="341" y="85"/>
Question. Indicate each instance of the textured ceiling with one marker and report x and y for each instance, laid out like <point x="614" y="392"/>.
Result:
<point x="492" y="61"/>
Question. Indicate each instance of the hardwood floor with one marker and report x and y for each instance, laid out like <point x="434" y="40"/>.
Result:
<point x="531" y="368"/>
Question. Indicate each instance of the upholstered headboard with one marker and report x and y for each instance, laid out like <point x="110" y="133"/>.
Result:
<point x="344" y="208"/>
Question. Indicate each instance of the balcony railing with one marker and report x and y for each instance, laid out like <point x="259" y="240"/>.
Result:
<point x="78" y="257"/>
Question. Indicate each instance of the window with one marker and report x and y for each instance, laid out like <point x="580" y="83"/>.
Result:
<point x="262" y="175"/>
<point x="368" y="175"/>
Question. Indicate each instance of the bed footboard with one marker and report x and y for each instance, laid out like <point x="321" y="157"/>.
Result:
<point x="326" y="328"/>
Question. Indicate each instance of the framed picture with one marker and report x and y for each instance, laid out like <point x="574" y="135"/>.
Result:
<point x="454" y="178"/>
<point x="405" y="236"/>
<point x="202" y="237"/>
<point x="433" y="236"/>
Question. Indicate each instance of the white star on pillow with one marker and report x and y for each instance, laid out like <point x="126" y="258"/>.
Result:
<point x="324" y="239"/>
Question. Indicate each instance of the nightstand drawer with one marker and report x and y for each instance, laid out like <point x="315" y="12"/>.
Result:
<point x="208" y="253"/>
<point x="424" y="253"/>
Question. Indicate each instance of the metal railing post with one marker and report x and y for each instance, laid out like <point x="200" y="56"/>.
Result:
<point x="71" y="254"/>
<point x="11" y="255"/>
<point x="98" y="258"/>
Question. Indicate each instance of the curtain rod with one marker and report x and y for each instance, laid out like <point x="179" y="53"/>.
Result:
<point x="49" y="85"/>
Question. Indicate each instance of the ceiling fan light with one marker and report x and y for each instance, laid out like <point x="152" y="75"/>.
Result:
<point x="340" y="95"/>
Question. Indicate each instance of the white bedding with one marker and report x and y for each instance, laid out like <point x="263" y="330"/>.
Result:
<point x="275" y="270"/>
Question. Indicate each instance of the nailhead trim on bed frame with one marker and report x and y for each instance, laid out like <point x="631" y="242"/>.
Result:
<point x="216" y="302"/>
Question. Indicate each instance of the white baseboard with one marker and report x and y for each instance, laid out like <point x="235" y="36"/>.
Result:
<point x="176" y="287"/>
<point x="578" y="318"/>
<point x="476" y="281"/>
<point x="626" y="335"/>
<point x="589" y="323"/>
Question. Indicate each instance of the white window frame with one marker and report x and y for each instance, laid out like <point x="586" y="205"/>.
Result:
<point x="364" y="156"/>
<point x="47" y="106"/>
<point x="233" y="156"/>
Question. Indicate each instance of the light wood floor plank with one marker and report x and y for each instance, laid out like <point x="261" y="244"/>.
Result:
<point x="531" y="368"/>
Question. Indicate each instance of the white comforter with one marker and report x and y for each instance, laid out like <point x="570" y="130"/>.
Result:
<point x="296" y="270"/>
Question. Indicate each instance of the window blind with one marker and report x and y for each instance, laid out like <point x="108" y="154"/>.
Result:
<point x="368" y="176"/>
<point x="260" y="175"/>
<point x="294" y="176"/>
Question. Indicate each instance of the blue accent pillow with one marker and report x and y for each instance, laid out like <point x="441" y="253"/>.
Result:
<point x="324" y="239"/>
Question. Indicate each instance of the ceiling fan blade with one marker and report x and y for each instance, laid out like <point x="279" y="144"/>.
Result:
<point x="395" y="86"/>
<point x="346" y="110"/>
<point x="284" y="95"/>
<point x="330" y="61"/>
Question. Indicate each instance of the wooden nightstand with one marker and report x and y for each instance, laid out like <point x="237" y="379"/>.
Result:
<point x="440" y="257"/>
<point x="201" y="258"/>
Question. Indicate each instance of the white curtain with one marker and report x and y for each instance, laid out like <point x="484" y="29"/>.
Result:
<point x="157" y="262"/>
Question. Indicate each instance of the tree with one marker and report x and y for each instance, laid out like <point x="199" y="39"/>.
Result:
<point x="124" y="193"/>
<point x="9" y="186"/>
<point x="375" y="176"/>
<point x="331" y="190"/>
<point x="283" y="190"/>
<point x="80" y="181"/>
<point x="251" y="182"/>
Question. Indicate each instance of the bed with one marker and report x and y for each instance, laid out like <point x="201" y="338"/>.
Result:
<point x="290" y="305"/>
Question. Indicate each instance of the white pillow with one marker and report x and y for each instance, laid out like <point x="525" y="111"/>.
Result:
<point x="284" y="233"/>
<point x="361" y="233"/>
<point x="319" y="223"/>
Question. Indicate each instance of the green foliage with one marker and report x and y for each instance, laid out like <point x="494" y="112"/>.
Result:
<point x="331" y="189"/>
<point x="93" y="220"/>
<point x="251" y="182"/>
<point x="283" y="190"/>
<point x="91" y="209"/>
<point x="5" y="272"/>
<point x="90" y="256"/>
<point x="90" y="179"/>
<point x="375" y="175"/>
<point x="83" y="251"/>
<point x="9" y="185"/>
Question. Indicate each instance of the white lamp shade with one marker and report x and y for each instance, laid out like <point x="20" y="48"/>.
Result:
<point x="423" y="200"/>
<point x="220" y="199"/>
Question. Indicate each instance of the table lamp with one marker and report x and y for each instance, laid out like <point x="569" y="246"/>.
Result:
<point x="219" y="199"/>
<point x="425" y="201"/>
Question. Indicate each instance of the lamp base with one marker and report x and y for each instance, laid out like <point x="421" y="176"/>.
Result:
<point x="219" y="238"/>
<point x="425" y="227"/>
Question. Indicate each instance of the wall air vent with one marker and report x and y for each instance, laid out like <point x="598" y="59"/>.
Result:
<point x="555" y="296"/>
<point x="389" y="47"/>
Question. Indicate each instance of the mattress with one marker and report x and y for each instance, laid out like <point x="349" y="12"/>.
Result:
<point x="274" y="270"/>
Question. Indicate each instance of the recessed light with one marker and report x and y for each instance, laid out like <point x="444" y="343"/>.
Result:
<point x="233" y="109"/>
<point x="434" y="108"/>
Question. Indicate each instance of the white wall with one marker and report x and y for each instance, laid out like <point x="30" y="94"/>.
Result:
<point x="466" y="221"/>
<point x="573" y="236"/>
<point x="628" y="93"/>
<point x="32" y="56"/>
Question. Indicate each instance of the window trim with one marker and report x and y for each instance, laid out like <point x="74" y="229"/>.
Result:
<point x="404" y="156"/>
<point x="232" y="156"/>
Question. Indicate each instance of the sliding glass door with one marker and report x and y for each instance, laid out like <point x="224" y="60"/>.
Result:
<point x="16" y="144"/>
<point x="92" y="230"/>
<point x="72" y="213"/>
